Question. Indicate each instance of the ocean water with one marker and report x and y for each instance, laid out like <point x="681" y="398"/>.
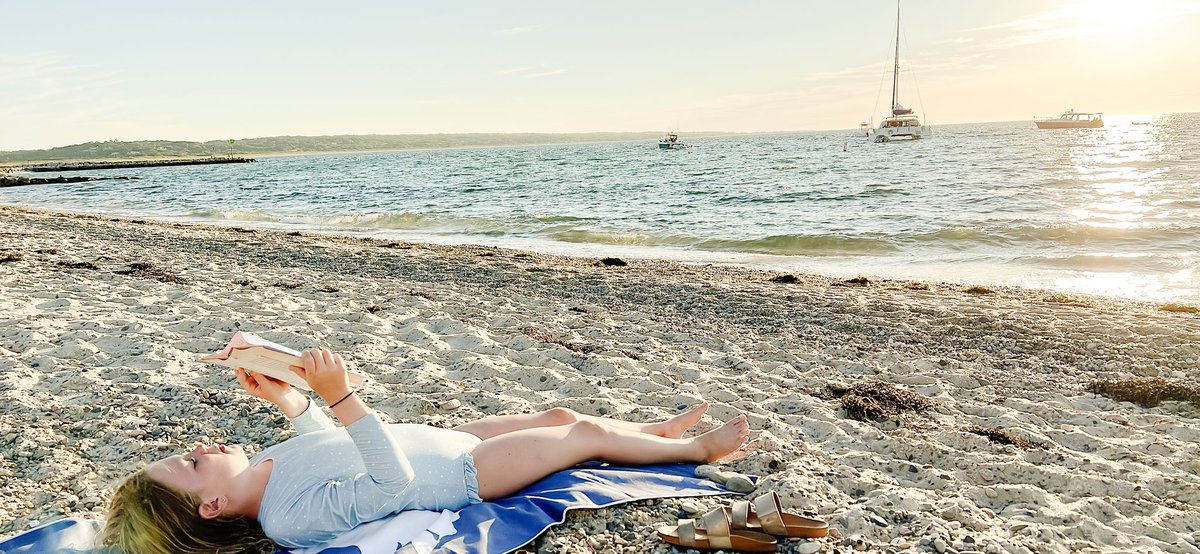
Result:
<point x="1112" y="211"/>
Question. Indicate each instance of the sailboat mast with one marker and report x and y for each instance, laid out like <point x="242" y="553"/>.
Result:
<point x="896" y="68"/>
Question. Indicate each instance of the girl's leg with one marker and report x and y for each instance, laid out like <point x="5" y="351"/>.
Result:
<point x="489" y="427"/>
<point x="511" y="461"/>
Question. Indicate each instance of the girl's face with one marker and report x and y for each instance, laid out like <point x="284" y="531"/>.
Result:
<point x="205" y="471"/>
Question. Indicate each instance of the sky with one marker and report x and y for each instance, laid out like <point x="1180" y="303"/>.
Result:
<point x="77" y="71"/>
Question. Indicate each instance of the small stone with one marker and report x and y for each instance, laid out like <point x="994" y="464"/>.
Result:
<point x="707" y="472"/>
<point x="939" y="544"/>
<point x="740" y="483"/>
<point x="450" y="405"/>
<point x="809" y="547"/>
<point x="691" y="508"/>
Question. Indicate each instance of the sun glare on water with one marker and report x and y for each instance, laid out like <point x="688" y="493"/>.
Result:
<point x="1120" y="193"/>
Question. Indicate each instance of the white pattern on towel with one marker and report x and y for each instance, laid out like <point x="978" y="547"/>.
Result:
<point x="419" y="529"/>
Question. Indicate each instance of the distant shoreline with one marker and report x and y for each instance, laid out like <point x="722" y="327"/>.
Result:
<point x="310" y="145"/>
<point x="245" y="147"/>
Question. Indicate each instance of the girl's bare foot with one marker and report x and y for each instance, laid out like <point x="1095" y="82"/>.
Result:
<point x="724" y="440"/>
<point x="675" y="427"/>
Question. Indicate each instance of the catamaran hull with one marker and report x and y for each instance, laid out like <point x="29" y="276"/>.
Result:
<point x="1093" y="124"/>
<point x="888" y="134"/>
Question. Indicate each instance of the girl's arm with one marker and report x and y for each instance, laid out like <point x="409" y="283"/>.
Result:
<point x="310" y="419"/>
<point x="298" y="408"/>
<point x="388" y="468"/>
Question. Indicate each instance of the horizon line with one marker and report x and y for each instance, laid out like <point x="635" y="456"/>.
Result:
<point x="561" y="133"/>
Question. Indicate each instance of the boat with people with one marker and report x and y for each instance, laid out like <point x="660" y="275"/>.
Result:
<point x="671" y="142"/>
<point x="903" y="123"/>
<point x="1072" y="119"/>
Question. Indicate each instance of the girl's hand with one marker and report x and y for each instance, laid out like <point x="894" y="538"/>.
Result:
<point x="261" y="386"/>
<point x="274" y="391"/>
<point x="325" y="372"/>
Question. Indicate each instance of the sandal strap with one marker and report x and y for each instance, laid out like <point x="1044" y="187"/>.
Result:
<point x="687" y="532"/>
<point x="770" y="513"/>
<point x="716" y="526"/>
<point x="739" y="515"/>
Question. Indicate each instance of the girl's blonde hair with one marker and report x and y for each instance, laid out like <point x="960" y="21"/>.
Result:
<point x="147" y="517"/>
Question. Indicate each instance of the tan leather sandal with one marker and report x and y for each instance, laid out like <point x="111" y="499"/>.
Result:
<point x="766" y="515"/>
<point x="713" y="532"/>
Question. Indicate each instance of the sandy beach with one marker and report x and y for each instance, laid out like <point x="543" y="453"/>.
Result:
<point x="102" y="322"/>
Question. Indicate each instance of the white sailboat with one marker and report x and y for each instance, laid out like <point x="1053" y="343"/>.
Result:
<point x="903" y="123"/>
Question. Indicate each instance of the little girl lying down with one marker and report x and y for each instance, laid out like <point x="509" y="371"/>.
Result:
<point x="326" y="480"/>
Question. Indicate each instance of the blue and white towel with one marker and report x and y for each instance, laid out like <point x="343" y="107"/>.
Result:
<point x="486" y="528"/>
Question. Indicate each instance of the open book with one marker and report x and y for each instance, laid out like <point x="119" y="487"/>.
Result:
<point x="254" y="353"/>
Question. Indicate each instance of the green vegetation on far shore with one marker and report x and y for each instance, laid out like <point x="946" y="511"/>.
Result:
<point x="115" y="149"/>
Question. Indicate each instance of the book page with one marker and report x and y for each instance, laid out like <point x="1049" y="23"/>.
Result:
<point x="261" y="361"/>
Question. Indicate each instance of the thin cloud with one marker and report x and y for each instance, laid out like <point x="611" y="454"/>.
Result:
<point x="45" y="87"/>
<point x="857" y="73"/>
<point x="513" y="31"/>
<point x="532" y="71"/>
<point x="1072" y="21"/>
<point x="41" y="68"/>
<point x="516" y="70"/>
<point x="954" y="41"/>
<point x="546" y="73"/>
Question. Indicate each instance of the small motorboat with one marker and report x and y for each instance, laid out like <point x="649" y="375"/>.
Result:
<point x="671" y="142"/>
<point x="1072" y="119"/>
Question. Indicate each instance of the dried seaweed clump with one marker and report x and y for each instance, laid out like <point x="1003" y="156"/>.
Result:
<point x="1067" y="300"/>
<point x="150" y="271"/>
<point x="1180" y="308"/>
<point x="79" y="265"/>
<point x="245" y="283"/>
<point x="877" y="400"/>
<point x="1147" y="392"/>
<point x="572" y="345"/>
<point x="1000" y="436"/>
